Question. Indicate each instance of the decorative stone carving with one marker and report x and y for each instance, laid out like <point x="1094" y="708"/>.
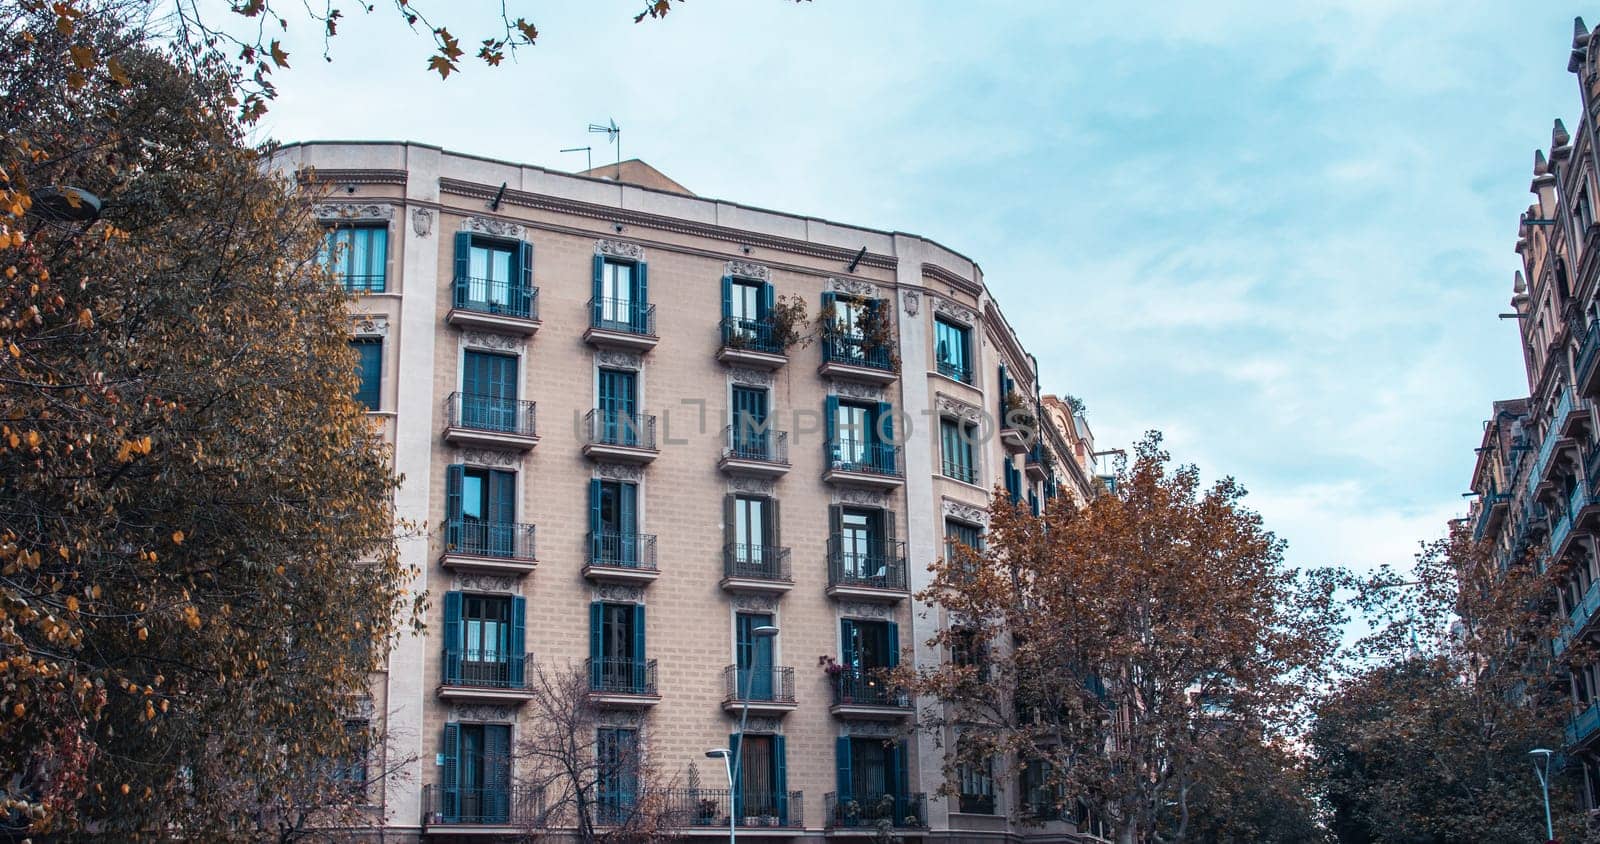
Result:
<point x="492" y="227"/>
<point x="754" y="486"/>
<point x="422" y="222"/>
<point x="747" y="269"/>
<point x="871" y="729"/>
<point x="746" y="376"/>
<point x="956" y="312"/>
<point x="618" y="718"/>
<point x="867" y="497"/>
<point x="862" y="609"/>
<point x="481" y="712"/>
<point x="951" y="406"/>
<point x="755" y="603"/>
<point x="619" y="249"/>
<point x="490" y="457"/>
<point x="853" y="287"/>
<point x="369" y="325"/>
<point x="620" y="592"/>
<point x="485" y="583"/>
<point x="492" y="341"/>
<point x="619" y="359"/>
<point x="620" y="472"/>
<point x="850" y="389"/>
<point x="354" y="212"/>
<point x="913" y="301"/>
<point x="762" y="724"/>
<point x="964" y="512"/>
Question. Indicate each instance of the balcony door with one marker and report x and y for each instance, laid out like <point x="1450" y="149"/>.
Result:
<point x="762" y="782"/>
<point x="490" y="269"/>
<point x="614" y="517"/>
<point x="754" y="656"/>
<point x="750" y="422"/>
<point x="618" y="391"/>
<point x="485" y="639"/>
<point x="489" y="391"/>
<point x="861" y="555"/>
<point x="481" y="511"/>
<point x="616" y="647"/>
<point x="868" y="769"/>
<point x="477" y="775"/>
<point x="869" y="646"/>
<point x="852" y="433"/>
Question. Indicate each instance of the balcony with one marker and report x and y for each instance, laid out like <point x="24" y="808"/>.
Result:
<point x="621" y="324"/>
<point x="755" y="568"/>
<point x="1583" y="725"/>
<point x="489" y="547"/>
<point x="902" y="811"/>
<point x="752" y="343"/>
<point x="1016" y="439"/>
<point x="1552" y="437"/>
<point x="864" y="693"/>
<point x="1035" y="466"/>
<point x="856" y="463"/>
<point x="873" y="571"/>
<point x="1578" y="618"/>
<point x="705" y="811"/>
<point x="770" y="689"/>
<point x="492" y="421"/>
<point x="755" y="453"/>
<point x="487" y="676"/>
<point x="854" y="359"/>
<point x="1492" y="507"/>
<point x="619" y="437"/>
<point x="621" y="557"/>
<point x="954" y="371"/>
<point x="622" y="682"/>
<point x="1588" y="357"/>
<point x="958" y="470"/>
<point x="507" y="810"/>
<point x="497" y="305"/>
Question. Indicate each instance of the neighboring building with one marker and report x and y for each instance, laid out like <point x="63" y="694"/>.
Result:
<point x="1537" y="474"/>
<point x="573" y="352"/>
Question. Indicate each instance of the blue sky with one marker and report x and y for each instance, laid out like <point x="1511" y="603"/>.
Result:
<point x="1279" y="235"/>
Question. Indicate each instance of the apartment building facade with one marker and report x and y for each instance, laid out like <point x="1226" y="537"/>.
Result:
<point x="1537" y="473"/>
<point x="632" y="457"/>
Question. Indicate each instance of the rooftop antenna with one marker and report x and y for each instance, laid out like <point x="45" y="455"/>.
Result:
<point x="588" y="154"/>
<point x="613" y="136"/>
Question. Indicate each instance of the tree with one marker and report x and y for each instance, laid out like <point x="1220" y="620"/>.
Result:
<point x="197" y="555"/>
<point x="1114" y="634"/>
<point x="603" y="789"/>
<point x="1430" y="743"/>
<point x="1261" y="797"/>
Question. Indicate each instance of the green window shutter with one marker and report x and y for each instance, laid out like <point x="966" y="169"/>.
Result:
<point x="737" y="763"/>
<point x="894" y="643"/>
<point x="496" y="806"/>
<point x="730" y="520"/>
<point x="450" y="776"/>
<point x="830" y="413"/>
<point x="518" y="648"/>
<point x="847" y="643"/>
<point x="452" y="638"/>
<point x="454" y="479"/>
<point x="641" y="298"/>
<point x="774" y="527"/>
<point x="844" y="783"/>
<point x="727" y="296"/>
<point x="780" y="779"/>
<point x="598" y="290"/>
<point x="522" y="299"/>
<point x="765" y="303"/>
<point x="596" y="542"/>
<point x="639" y="661"/>
<point x="463" y="257"/>
<point x="596" y="640"/>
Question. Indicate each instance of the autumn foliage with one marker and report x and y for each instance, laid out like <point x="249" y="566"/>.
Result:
<point x="197" y="562"/>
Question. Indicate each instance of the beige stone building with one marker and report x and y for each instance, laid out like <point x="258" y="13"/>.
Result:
<point x="623" y="466"/>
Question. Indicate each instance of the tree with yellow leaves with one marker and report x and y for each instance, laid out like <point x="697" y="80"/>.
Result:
<point x="197" y="559"/>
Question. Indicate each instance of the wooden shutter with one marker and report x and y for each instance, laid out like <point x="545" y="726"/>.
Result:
<point x="894" y="643"/>
<point x="736" y="765"/>
<point x="730" y="518"/>
<point x="463" y="260"/>
<point x="450" y="776"/>
<point x="639" y="661"/>
<point x="780" y="779"/>
<point x="522" y="302"/>
<point x="518" y="647"/>
<point x="596" y="641"/>
<point x="641" y="298"/>
<point x="598" y="290"/>
<point x="844" y="783"/>
<point x="452" y="637"/>
<point x="454" y="479"/>
<point x="727" y="296"/>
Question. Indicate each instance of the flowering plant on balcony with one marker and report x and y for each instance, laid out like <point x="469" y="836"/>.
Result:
<point x="830" y="666"/>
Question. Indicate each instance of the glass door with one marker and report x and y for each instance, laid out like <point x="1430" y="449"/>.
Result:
<point x="754" y="655"/>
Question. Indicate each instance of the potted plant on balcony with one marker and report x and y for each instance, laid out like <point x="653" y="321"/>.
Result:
<point x="833" y="669"/>
<point x="1017" y="412"/>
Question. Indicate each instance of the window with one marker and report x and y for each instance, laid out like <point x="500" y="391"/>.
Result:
<point x="357" y="256"/>
<point x="618" y="422"/>
<point x="751" y="523"/>
<point x="1584" y="211"/>
<point x="951" y="350"/>
<point x="489" y="391"/>
<point x="963" y="534"/>
<point x="763" y="788"/>
<point x="856" y="336"/>
<point x="869" y="646"/>
<point x="852" y="422"/>
<point x="621" y="300"/>
<point x="350" y="770"/>
<point x="976" y="786"/>
<point x="745" y="305"/>
<point x="956" y="439"/>
<point x="480" y="511"/>
<point x="491" y="274"/>
<point x="1039" y="796"/>
<point x="753" y="654"/>
<point x="868" y="770"/>
<point x="617" y="780"/>
<point x="860" y="436"/>
<point x="749" y="420"/>
<point x="967" y="649"/>
<point x="616" y="648"/>
<point x="484" y="640"/>
<point x="476" y="781"/>
<point x="614" y="523"/>
<point x="369" y="369"/>
<point x="494" y="276"/>
<point x="861" y="552"/>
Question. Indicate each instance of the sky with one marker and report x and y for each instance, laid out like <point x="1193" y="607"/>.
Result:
<point x="1279" y="235"/>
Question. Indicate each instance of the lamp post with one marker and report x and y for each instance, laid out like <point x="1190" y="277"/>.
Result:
<point x="730" y="759"/>
<point x="1541" y="754"/>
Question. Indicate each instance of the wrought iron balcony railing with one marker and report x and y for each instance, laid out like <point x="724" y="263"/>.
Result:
<point x="506" y="805"/>
<point x="904" y="811"/>
<point x="960" y="470"/>
<point x="857" y="351"/>
<point x="710" y="808"/>
<point x="756" y="562"/>
<point x="867" y="457"/>
<point x="621" y="676"/>
<point x="613" y="427"/>
<point x="763" y="683"/>
<point x="485" y="669"/>
<point x="496" y="296"/>
<point x="756" y="335"/>
<point x="478" y="538"/>
<point x="613" y="549"/>
<point x="743" y="441"/>
<point x="877" y="564"/>
<point x="1583" y="724"/>
<point x="491" y="413"/>
<point x="623" y="315"/>
<point x="951" y="369"/>
<point x="867" y="687"/>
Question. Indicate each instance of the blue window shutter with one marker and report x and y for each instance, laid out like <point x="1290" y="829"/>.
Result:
<point x="639" y="674"/>
<point x="463" y="255"/>
<point x="596" y="610"/>
<point x="727" y="296"/>
<point x="496" y="805"/>
<point x="883" y="423"/>
<point x="518" y="648"/>
<point x="453" y="480"/>
<point x="628" y="509"/>
<point x="450" y="776"/>
<point x="828" y="299"/>
<point x="452" y="637"/>
<point x="378" y="259"/>
<point x="594" y="519"/>
<point x="847" y="643"/>
<point x="830" y="413"/>
<point x="780" y="779"/>
<point x="894" y="644"/>
<point x="844" y="782"/>
<point x="523" y="303"/>
<point x="599" y="288"/>
<point x="738" y="774"/>
<point x="764" y="304"/>
<point x="641" y="298"/>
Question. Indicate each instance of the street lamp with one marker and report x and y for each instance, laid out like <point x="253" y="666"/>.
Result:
<point x="1541" y="754"/>
<point x="730" y="759"/>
